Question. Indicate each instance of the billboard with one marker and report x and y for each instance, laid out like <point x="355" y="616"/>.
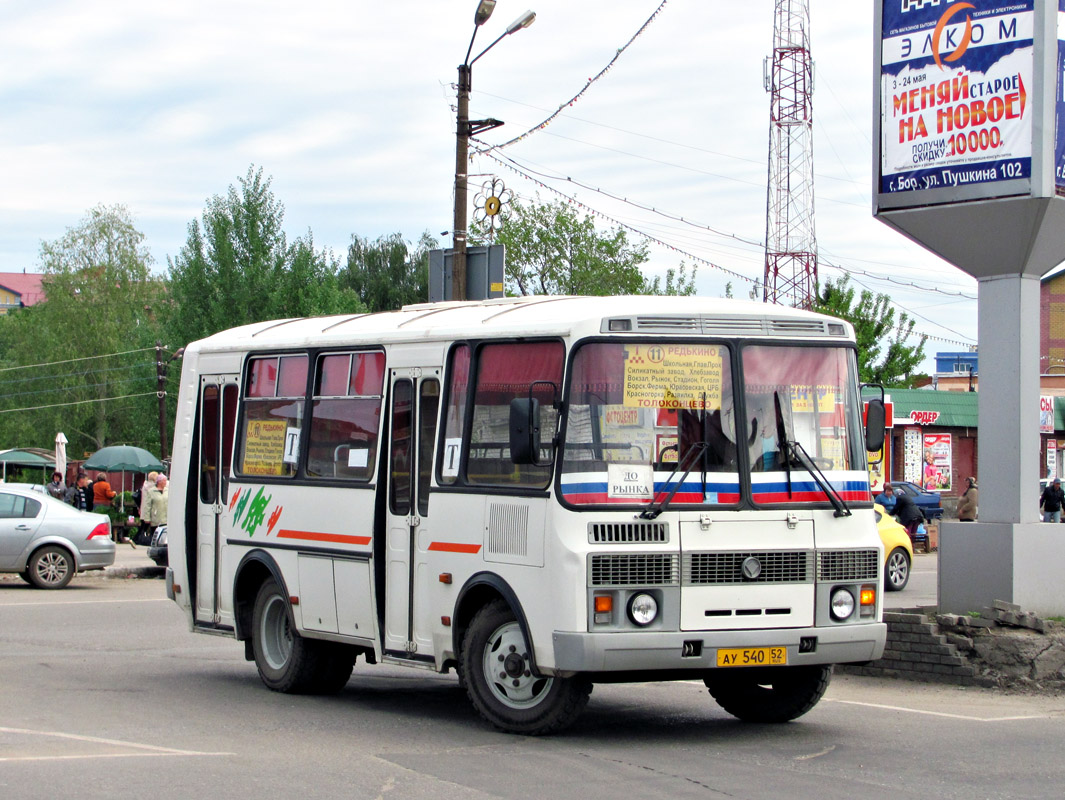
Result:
<point x="1059" y="107"/>
<point x="956" y="107"/>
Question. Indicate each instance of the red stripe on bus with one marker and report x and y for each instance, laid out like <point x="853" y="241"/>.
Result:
<point x="455" y="547"/>
<point x="316" y="536"/>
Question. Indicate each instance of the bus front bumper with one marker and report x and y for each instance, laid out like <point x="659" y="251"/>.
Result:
<point x="697" y="650"/>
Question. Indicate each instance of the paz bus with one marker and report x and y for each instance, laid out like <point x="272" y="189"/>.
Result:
<point x="541" y="493"/>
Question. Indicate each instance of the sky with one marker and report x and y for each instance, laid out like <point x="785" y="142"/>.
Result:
<point x="349" y="108"/>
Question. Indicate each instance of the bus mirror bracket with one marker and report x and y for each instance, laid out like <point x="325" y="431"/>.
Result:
<point x="525" y="427"/>
<point x="875" y="418"/>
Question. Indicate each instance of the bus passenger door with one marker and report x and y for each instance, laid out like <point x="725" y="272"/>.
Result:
<point x="414" y="405"/>
<point x="218" y="415"/>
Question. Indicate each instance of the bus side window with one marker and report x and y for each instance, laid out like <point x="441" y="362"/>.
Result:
<point x="273" y="413"/>
<point x="505" y="371"/>
<point x="346" y="415"/>
<point x="455" y="414"/>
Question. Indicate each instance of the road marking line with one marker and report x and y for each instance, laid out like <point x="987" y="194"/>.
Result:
<point x="824" y="752"/>
<point x="12" y="759"/>
<point x="937" y="713"/>
<point x="154" y="749"/>
<point x="84" y="602"/>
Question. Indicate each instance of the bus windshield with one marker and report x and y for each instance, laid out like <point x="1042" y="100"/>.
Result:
<point x="645" y="419"/>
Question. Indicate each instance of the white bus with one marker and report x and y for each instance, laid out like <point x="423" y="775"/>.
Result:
<point x="541" y="493"/>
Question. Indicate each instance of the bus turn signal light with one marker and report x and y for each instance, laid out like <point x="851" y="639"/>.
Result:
<point x="604" y="604"/>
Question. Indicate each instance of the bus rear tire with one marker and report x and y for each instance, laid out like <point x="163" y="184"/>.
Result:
<point x="287" y="662"/>
<point x="497" y="671"/>
<point x="774" y="694"/>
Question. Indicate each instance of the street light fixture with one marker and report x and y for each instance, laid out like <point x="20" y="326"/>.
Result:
<point x="466" y="128"/>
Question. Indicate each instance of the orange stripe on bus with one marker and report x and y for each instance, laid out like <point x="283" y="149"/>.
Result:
<point x="455" y="547"/>
<point x="316" y="536"/>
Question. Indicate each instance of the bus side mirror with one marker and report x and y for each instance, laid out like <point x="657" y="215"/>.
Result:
<point x="524" y="430"/>
<point x="875" y="417"/>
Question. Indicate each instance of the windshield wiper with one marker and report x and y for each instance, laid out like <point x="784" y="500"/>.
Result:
<point x="788" y="447"/>
<point x="652" y="511"/>
<point x="782" y="438"/>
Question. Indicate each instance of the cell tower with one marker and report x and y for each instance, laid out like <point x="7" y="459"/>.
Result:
<point x="790" y="241"/>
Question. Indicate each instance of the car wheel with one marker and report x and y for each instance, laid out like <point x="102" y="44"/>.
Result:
<point x="897" y="570"/>
<point x="50" y="568"/>
<point x="287" y="662"/>
<point x="774" y="694"/>
<point x="497" y="671"/>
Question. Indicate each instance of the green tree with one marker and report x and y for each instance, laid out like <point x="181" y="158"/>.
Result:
<point x="553" y="250"/>
<point x="75" y="362"/>
<point x="885" y="355"/>
<point x="388" y="273"/>
<point x="236" y="267"/>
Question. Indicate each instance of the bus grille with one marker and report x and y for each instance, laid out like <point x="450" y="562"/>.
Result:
<point x="628" y="532"/>
<point x="707" y="569"/>
<point x="633" y="569"/>
<point x="847" y="565"/>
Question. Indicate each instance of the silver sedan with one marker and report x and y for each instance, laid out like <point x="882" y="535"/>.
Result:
<point x="46" y="541"/>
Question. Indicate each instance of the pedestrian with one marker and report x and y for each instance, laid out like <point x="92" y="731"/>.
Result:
<point x="908" y="514"/>
<point x="102" y="494"/>
<point x="1051" y="501"/>
<point x="967" y="502"/>
<point x="886" y="498"/>
<point x="56" y="488"/>
<point x="82" y="497"/>
<point x="147" y="489"/>
<point x="157" y="504"/>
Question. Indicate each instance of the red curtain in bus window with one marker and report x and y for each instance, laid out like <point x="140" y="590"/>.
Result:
<point x="598" y="374"/>
<point x="262" y="377"/>
<point x="794" y="366"/>
<point x="333" y="381"/>
<point x="367" y="374"/>
<point x="292" y="376"/>
<point x="506" y="370"/>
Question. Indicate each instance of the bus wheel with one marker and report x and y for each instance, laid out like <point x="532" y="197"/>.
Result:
<point x="286" y="661"/>
<point x="497" y="670"/>
<point x="775" y="694"/>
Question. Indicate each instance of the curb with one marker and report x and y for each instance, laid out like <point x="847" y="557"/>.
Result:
<point x="128" y="572"/>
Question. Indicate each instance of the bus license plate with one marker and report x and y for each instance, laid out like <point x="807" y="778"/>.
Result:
<point x="752" y="657"/>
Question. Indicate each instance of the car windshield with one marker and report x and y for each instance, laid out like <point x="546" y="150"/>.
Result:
<point x="649" y="420"/>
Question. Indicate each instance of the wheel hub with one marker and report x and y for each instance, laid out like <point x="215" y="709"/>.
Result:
<point x="508" y="670"/>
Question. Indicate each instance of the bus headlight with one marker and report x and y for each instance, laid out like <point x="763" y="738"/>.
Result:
<point x="842" y="604"/>
<point x="643" y="609"/>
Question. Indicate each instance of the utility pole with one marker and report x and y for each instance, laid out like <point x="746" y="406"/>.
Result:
<point x="462" y="145"/>
<point x="790" y="241"/>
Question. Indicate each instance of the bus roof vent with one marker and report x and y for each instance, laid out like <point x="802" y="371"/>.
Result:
<point x="628" y="532"/>
<point x="797" y="327"/>
<point x="732" y="326"/>
<point x="668" y="324"/>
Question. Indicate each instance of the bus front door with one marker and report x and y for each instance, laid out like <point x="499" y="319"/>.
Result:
<point x="414" y="406"/>
<point x="218" y="415"/>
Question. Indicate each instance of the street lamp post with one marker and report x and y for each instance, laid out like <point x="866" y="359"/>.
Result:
<point x="464" y="129"/>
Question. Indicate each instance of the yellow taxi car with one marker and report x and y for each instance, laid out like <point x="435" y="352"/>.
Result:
<point x="898" y="551"/>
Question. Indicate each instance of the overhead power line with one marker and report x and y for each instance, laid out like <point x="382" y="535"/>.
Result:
<point x="72" y="360"/>
<point x="78" y="402"/>
<point x="587" y="86"/>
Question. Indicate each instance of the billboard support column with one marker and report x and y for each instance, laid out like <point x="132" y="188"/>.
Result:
<point x="1008" y="461"/>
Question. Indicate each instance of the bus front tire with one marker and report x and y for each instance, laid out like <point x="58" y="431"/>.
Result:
<point x="773" y="694"/>
<point x="497" y="670"/>
<point x="287" y="662"/>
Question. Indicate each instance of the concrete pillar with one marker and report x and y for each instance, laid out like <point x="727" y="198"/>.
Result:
<point x="1008" y="463"/>
<point x="1009" y="554"/>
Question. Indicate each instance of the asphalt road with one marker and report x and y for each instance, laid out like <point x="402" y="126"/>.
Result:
<point x="105" y="694"/>
<point x="921" y="589"/>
